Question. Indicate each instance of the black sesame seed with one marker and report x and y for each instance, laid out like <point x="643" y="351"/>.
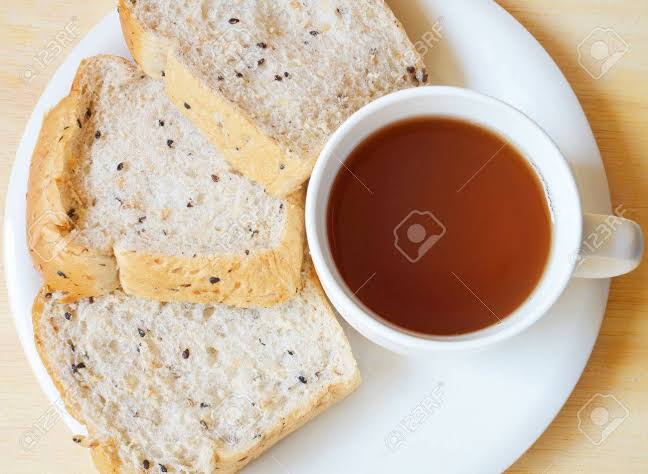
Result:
<point x="261" y="342"/>
<point x="75" y="368"/>
<point x="170" y="143"/>
<point x="189" y="204"/>
<point x="215" y="178"/>
<point x="233" y="21"/>
<point x="185" y="354"/>
<point x="238" y="74"/>
<point x="204" y="405"/>
<point x="203" y="423"/>
<point x="291" y="353"/>
<point x="88" y="113"/>
<point x="187" y="106"/>
<point x="91" y="300"/>
<point x="97" y="134"/>
<point x="214" y="280"/>
<point x="247" y="252"/>
<point x="261" y="61"/>
<point x="262" y="45"/>
<point x="314" y="33"/>
<point x="278" y="78"/>
<point x="161" y="122"/>
<point x="425" y="76"/>
<point x="411" y="69"/>
<point x="79" y="123"/>
<point x="120" y="166"/>
<point x="146" y="464"/>
<point x="141" y="219"/>
<point x="141" y="332"/>
<point x="282" y="166"/>
<point x="68" y="316"/>
<point x="286" y="74"/>
<point x="163" y="468"/>
<point x="302" y="379"/>
<point x="76" y="439"/>
<point x="163" y="74"/>
<point x="221" y="78"/>
<point x="61" y="274"/>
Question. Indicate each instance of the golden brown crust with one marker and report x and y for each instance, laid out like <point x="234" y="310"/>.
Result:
<point x="65" y="266"/>
<point x="260" y="278"/>
<point x="224" y="123"/>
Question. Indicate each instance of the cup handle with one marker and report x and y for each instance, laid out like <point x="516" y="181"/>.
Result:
<point x="611" y="246"/>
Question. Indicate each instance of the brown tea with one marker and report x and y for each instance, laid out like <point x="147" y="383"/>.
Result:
<point x="439" y="226"/>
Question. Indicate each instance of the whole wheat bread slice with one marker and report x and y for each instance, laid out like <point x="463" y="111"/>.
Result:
<point x="125" y="191"/>
<point x="192" y="388"/>
<point x="269" y="80"/>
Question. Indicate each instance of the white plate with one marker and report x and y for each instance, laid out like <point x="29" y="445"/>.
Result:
<point x="452" y="414"/>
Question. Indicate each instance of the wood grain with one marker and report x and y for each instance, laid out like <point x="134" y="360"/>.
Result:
<point x="617" y="107"/>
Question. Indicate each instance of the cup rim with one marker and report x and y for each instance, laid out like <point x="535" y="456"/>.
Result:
<point x="370" y="323"/>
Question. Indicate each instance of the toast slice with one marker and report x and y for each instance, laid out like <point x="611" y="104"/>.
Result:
<point x="125" y="191"/>
<point x="269" y="81"/>
<point x="192" y="388"/>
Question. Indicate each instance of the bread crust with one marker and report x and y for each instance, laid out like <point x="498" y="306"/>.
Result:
<point x="260" y="278"/>
<point x="104" y="453"/>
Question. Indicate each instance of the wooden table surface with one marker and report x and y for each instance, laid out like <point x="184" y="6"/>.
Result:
<point x="617" y="107"/>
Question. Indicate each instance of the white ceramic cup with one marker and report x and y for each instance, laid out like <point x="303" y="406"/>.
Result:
<point x="583" y="246"/>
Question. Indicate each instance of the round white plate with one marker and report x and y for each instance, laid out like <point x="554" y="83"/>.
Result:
<point x="459" y="413"/>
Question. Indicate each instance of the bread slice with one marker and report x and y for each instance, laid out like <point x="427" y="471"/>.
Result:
<point x="124" y="190"/>
<point x="194" y="388"/>
<point x="269" y="80"/>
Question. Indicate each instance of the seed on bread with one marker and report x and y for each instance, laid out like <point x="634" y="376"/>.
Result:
<point x="146" y="464"/>
<point x="163" y="468"/>
<point x="61" y="274"/>
<point x="76" y="367"/>
<point x="187" y="106"/>
<point x="120" y="166"/>
<point x="302" y="379"/>
<point x="186" y="354"/>
<point x="214" y="280"/>
<point x="233" y="21"/>
<point x="161" y="123"/>
<point x="170" y="143"/>
<point x="67" y="315"/>
<point x="98" y="134"/>
<point x="141" y="332"/>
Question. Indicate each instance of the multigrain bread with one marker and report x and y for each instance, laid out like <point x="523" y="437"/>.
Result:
<point x="269" y="80"/>
<point x="192" y="388"/>
<point x="124" y="191"/>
